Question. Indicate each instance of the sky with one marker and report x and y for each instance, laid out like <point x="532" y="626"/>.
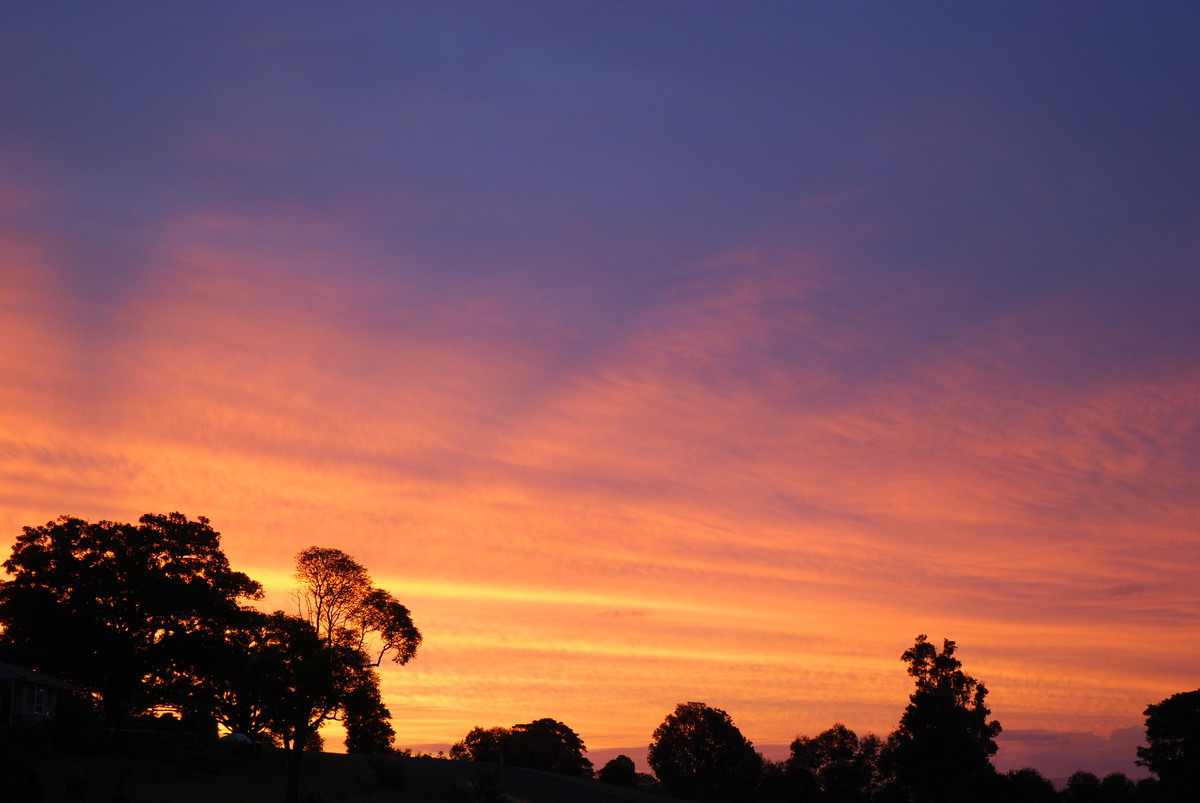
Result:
<point x="650" y="352"/>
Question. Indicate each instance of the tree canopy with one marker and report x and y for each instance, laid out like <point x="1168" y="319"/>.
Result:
<point x="835" y="765"/>
<point x="335" y="594"/>
<point x="698" y="752"/>
<point x="1172" y="750"/>
<point x="944" y="734"/>
<point x="482" y="744"/>
<point x="130" y="613"/>
<point x="549" y="745"/>
<point x="544" y="744"/>
<point x="619" y="771"/>
<point x="366" y="718"/>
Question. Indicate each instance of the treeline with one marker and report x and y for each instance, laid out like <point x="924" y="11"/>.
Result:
<point x="150" y="618"/>
<point x="940" y="753"/>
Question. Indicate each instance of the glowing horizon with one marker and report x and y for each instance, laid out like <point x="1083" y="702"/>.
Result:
<point x="639" y="379"/>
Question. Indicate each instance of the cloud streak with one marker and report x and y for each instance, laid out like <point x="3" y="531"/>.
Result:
<point x="638" y="380"/>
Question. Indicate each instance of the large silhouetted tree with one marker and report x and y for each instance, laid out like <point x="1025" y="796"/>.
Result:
<point x="353" y="625"/>
<point x="698" y="752"/>
<point x="243" y="694"/>
<point x="285" y="681"/>
<point x="1172" y="750"/>
<point x="305" y="681"/>
<point x="944" y="735"/>
<point x="130" y="613"/>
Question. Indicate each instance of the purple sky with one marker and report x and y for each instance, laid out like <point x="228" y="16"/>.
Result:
<point x="745" y="340"/>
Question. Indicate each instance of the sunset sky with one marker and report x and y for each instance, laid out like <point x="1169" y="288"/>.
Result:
<point x="649" y="352"/>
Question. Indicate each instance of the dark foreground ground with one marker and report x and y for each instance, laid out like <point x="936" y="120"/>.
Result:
<point x="221" y="777"/>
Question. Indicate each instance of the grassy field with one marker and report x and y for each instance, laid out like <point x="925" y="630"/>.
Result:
<point x="208" y="776"/>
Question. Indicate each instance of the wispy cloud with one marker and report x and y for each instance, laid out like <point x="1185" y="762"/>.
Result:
<point x="638" y="376"/>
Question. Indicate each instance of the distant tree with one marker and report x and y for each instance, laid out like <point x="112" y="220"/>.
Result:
<point x="1172" y="750"/>
<point x="544" y="744"/>
<point x="698" y="752"/>
<point x="334" y="594"/>
<point x="1086" y="787"/>
<point x="944" y="738"/>
<point x="549" y="745"/>
<point x="1028" y="786"/>
<point x="620" y="771"/>
<point x="834" y="766"/>
<point x="366" y="718"/>
<point x="1083" y="787"/>
<point x="1116" y="787"/>
<point x="1147" y="790"/>
<point x="130" y="613"/>
<point x="482" y="744"/>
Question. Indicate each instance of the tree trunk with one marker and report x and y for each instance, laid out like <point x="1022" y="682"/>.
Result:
<point x="294" y="756"/>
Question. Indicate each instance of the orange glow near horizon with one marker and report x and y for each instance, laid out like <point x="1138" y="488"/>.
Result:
<point x="674" y="520"/>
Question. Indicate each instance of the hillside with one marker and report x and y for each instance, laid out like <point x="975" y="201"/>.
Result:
<point x="205" y="776"/>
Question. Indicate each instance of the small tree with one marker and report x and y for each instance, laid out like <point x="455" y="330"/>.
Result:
<point x="1172" y="750"/>
<point x="698" y="751"/>
<point x="482" y="744"/>
<point x="620" y="771"/>
<point x="1028" y="786"/>
<point x="944" y="735"/>
<point x="1082" y="787"/>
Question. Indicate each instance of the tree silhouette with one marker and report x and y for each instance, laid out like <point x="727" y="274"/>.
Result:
<point x="544" y="744"/>
<point x="698" y="752"/>
<point x="549" y="745"/>
<point x="620" y="771"/>
<point x="1027" y="786"/>
<point x="834" y="766"/>
<point x="944" y="734"/>
<point x="1172" y="750"/>
<point x="349" y="626"/>
<point x="244" y="691"/>
<point x="303" y="680"/>
<point x="368" y="729"/>
<point x="482" y="744"/>
<point x="335" y="595"/>
<point x="131" y="614"/>
<point x="1083" y="787"/>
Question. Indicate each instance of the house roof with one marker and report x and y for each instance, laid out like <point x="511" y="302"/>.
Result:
<point x="14" y="672"/>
